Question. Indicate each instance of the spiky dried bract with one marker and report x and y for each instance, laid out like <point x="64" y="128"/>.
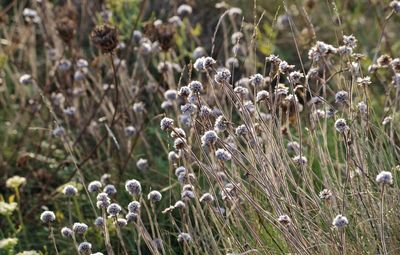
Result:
<point x="105" y="37"/>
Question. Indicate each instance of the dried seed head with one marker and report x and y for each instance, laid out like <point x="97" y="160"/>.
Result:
<point x="325" y="194"/>
<point x="341" y="97"/>
<point x="65" y="27"/>
<point x="70" y="191"/>
<point x="340" y="221"/>
<point x="130" y="131"/>
<point x="110" y="189"/>
<point x="121" y="223"/>
<point x="134" y="207"/>
<point x="341" y="125"/>
<point x="85" y="248"/>
<point x="395" y="5"/>
<point x="241" y="130"/>
<point x="184" y="237"/>
<point x="350" y="41"/>
<point x="142" y="164"/>
<point x="166" y="123"/>
<point x="105" y="37"/>
<point x="179" y="205"/>
<point x="80" y="228"/>
<point x="154" y="196"/>
<point x="384" y="177"/>
<point x="187" y="195"/>
<point x="131" y="217"/>
<point x="47" y="217"/>
<point x="209" y="138"/>
<point x="206" y="198"/>
<point x="133" y="187"/>
<point x="365" y="81"/>
<point x="284" y="219"/>
<point x="114" y="209"/>
<point x="66" y="232"/>
<point x="195" y="86"/>
<point x="222" y="76"/>
<point x="184" y="10"/>
<point x="99" y="222"/>
<point x="384" y="61"/>
<point x="223" y="155"/>
<point x="221" y="124"/>
<point x="184" y="91"/>
<point x="300" y="160"/>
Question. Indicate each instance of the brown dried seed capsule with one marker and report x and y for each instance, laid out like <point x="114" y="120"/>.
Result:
<point x="66" y="29"/>
<point x="105" y="37"/>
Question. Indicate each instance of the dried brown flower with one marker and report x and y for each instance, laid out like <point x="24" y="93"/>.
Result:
<point x="105" y="37"/>
<point x="66" y="29"/>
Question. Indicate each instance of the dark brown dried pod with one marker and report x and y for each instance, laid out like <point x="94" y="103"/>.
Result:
<point x="150" y="31"/>
<point x="66" y="29"/>
<point x="165" y="36"/>
<point x="105" y="37"/>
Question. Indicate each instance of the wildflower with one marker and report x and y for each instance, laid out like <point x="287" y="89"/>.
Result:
<point x="206" y="198"/>
<point x="25" y="79"/>
<point x="179" y="143"/>
<point x="154" y="196"/>
<point x="223" y="155"/>
<point x="384" y="177"/>
<point x="188" y="108"/>
<point x="293" y="147"/>
<point x="142" y="164"/>
<point x="173" y="157"/>
<point x="345" y="51"/>
<point x="58" y="131"/>
<point x="284" y="67"/>
<point x="70" y="111"/>
<point x="187" y="195"/>
<point x="384" y="61"/>
<point x="273" y="59"/>
<point x="94" y="186"/>
<point x="114" y="209"/>
<point x="362" y="107"/>
<point x="70" y="191"/>
<point x="105" y="37"/>
<point x="223" y="75"/>
<point x="134" y="207"/>
<point x="300" y="160"/>
<point x="79" y="228"/>
<point x="325" y="194"/>
<point x="232" y="63"/>
<point x="15" y="182"/>
<point x="7" y="208"/>
<point x="130" y="131"/>
<point x="209" y="138"/>
<point x="221" y="124"/>
<point x="365" y="81"/>
<point x="131" y="217"/>
<point x="166" y="105"/>
<point x="85" y="248"/>
<point x="396" y="79"/>
<point x="341" y="97"/>
<point x="178" y="133"/>
<point x="110" y="189"/>
<point x="184" y="237"/>
<point x="47" y="217"/>
<point x="241" y="130"/>
<point x="184" y="10"/>
<point x="320" y="50"/>
<point x="121" y="223"/>
<point x="387" y="120"/>
<point x="350" y="41"/>
<point x="395" y="5"/>
<point x="341" y="125"/>
<point x="198" y="53"/>
<point x="195" y="86"/>
<point x="256" y="80"/>
<point x="241" y="91"/>
<point x="295" y="77"/>
<point x="395" y="65"/>
<point x="103" y="200"/>
<point x="262" y="95"/>
<point x="64" y="65"/>
<point x="208" y="62"/>
<point x="171" y="94"/>
<point x="199" y="64"/>
<point x="166" y="123"/>
<point x="175" y="20"/>
<point x="284" y="219"/>
<point x="179" y="205"/>
<point x="99" y="222"/>
<point x="133" y="187"/>
<point x="31" y="15"/>
<point x="184" y="91"/>
<point x="340" y="221"/>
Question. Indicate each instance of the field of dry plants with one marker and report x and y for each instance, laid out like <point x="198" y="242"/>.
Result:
<point x="199" y="127"/>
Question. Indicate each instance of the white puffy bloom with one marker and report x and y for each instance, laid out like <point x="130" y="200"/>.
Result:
<point x="142" y="164"/>
<point x="184" y="237"/>
<point x="154" y="196"/>
<point x="166" y="123"/>
<point x="184" y="10"/>
<point x="300" y="160"/>
<point x="223" y="75"/>
<point x="341" y="125"/>
<point x="340" y="221"/>
<point x="350" y="41"/>
<point x="384" y="177"/>
<point x="206" y="198"/>
<point x="47" y="217"/>
<point x="256" y="80"/>
<point x="209" y="138"/>
<point x="223" y="155"/>
<point x="284" y="219"/>
<point x="387" y="120"/>
<point x="262" y="95"/>
<point x="69" y="190"/>
<point x="133" y="187"/>
<point x="25" y="79"/>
